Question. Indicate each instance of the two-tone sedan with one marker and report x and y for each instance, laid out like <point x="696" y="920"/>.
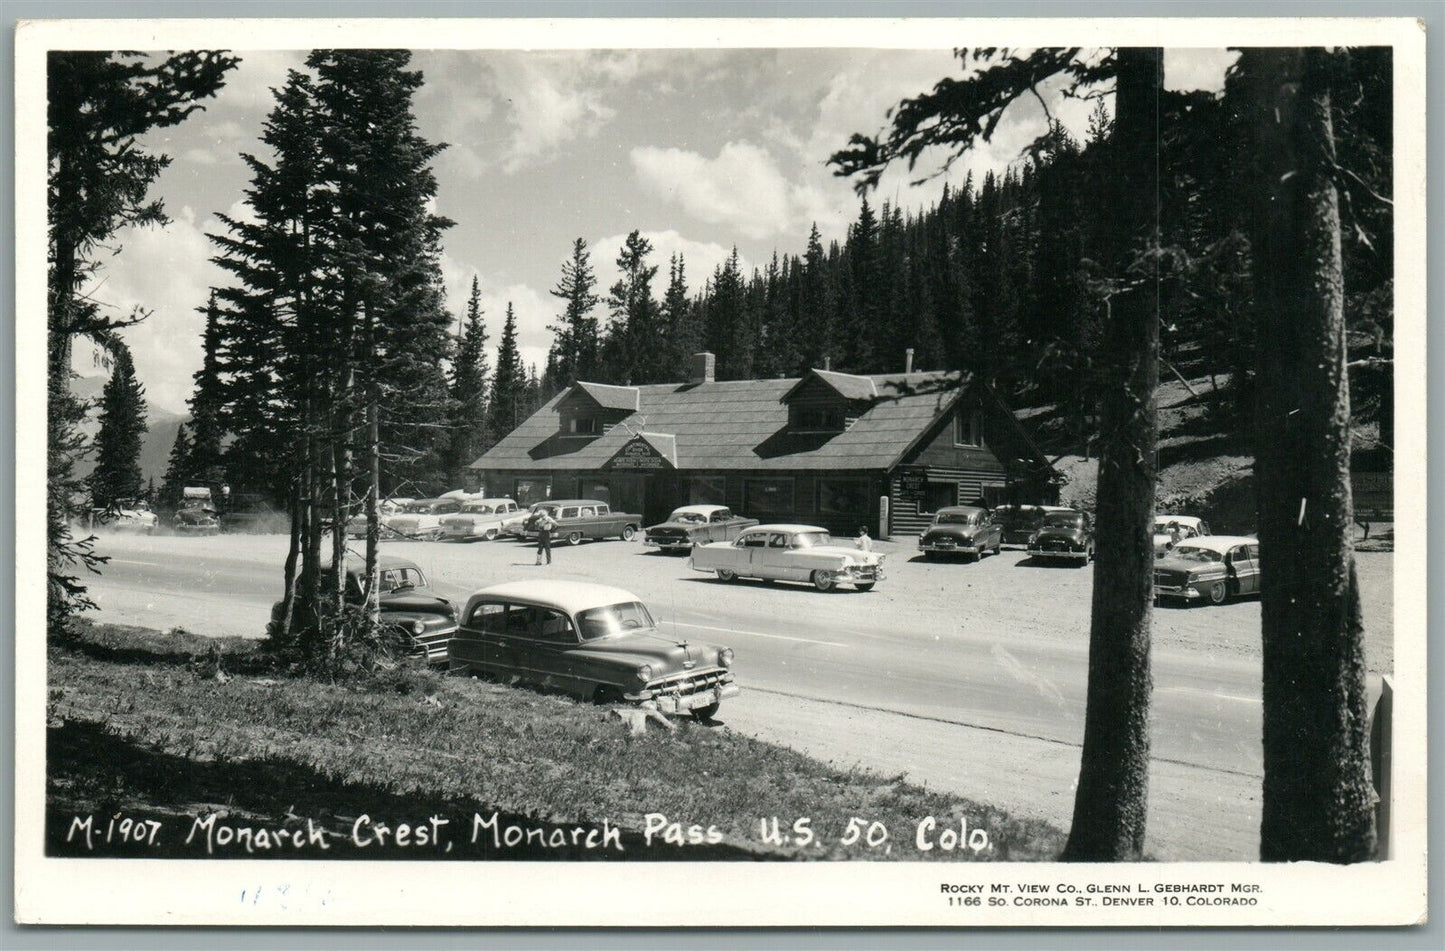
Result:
<point x="1066" y="535"/>
<point x="1211" y="568"/>
<point x="423" y="518"/>
<point x="581" y="519"/>
<point x="803" y="553"/>
<point x="961" y="530"/>
<point x="483" y="518"/>
<point x="696" y="525"/>
<point x="591" y="641"/>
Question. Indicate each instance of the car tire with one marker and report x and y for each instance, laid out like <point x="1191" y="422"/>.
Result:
<point x="574" y="538"/>
<point x="705" y="714"/>
<point x="491" y="535"/>
<point x="629" y="532"/>
<point x="1218" y="592"/>
<point x="823" y="581"/>
<point x="726" y="574"/>
<point x="864" y="586"/>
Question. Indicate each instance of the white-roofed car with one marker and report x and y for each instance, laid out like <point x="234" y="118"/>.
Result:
<point x="483" y="518"/>
<point x="1170" y="530"/>
<point x="591" y="641"/>
<point x="790" y="553"/>
<point x="423" y="518"/>
<point x="690" y="525"/>
<point x="1211" y="568"/>
<point x="126" y="516"/>
<point x="387" y="510"/>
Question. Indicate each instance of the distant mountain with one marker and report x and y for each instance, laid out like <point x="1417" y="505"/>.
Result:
<point x="155" y="449"/>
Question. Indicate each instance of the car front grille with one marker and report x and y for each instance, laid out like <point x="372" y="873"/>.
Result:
<point x="691" y="683"/>
<point x="1164" y="578"/>
<point x="434" y="643"/>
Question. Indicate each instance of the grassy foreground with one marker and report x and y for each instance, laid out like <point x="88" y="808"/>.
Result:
<point x="172" y="728"/>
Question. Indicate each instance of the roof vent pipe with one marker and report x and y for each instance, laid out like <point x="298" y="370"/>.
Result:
<point x="827" y="363"/>
<point x="908" y="360"/>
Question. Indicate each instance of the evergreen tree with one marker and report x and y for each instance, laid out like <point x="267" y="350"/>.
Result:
<point x="207" y="401"/>
<point x="177" y="469"/>
<point x="816" y="308"/>
<point x="635" y="326"/>
<point x="117" y="475"/>
<point x="729" y="329"/>
<point x="679" y="319"/>
<point x="575" y="343"/>
<point x="505" y="408"/>
<point x="469" y="435"/>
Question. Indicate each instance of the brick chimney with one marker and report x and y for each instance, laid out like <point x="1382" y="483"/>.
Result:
<point x="704" y="367"/>
<point x="908" y="360"/>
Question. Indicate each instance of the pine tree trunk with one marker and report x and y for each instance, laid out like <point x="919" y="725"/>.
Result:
<point x="1318" y="802"/>
<point x="373" y="514"/>
<point x="293" y="552"/>
<point x="1110" y="805"/>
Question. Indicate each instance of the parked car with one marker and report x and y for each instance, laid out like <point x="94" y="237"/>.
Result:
<point x="790" y="553"/>
<point x="483" y="518"/>
<point x="1211" y="567"/>
<point x="196" y="520"/>
<point x="125" y="517"/>
<point x="579" y="519"/>
<point x="1170" y="530"/>
<point x="961" y="530"/>
<point x="1020" y="523"/>
<point x="422" y="518"/>
<point x="387" y="509"/>
<point x="407" y="603"/>
<point x="1066" y="535"/>
<point x="250" y="512"/>
<point x="591" y="641"/>
<point x="696" y="525"/>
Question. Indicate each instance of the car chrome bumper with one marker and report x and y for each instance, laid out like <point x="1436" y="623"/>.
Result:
<point x="687" y="702"/>
<point x="946" y="549"/>
<point x="1066" y="555"/>
<point x="1187" y="593"/>
<point x="667" y="543"/>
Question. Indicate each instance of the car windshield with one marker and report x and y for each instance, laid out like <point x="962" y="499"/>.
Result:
<point x="811" y="539"/>
<point x="956" y="518"/>
<point x="691" y="518"/>
<point x="476" y="508"/>
<point x="614" y="619"/>
<point x="1064" y="520"/>
<point x="1190" y="553"/>
<point x="417" y="508"/>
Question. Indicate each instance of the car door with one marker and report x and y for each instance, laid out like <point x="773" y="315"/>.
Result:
<point x="780" y="562"/>
<point x="481" y="641"/>
<point x="750" y="551"/>
<point x="722" y="525"/>
<point x="1243" y="573"/>
<point x="542" y="638"/>
<point x="588" y="522"/>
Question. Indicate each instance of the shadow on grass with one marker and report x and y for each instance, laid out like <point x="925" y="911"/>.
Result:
<point x="92" y="772"/>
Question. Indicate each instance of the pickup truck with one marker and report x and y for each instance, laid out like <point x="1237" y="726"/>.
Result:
<point x="696" y="525"/>
<point x="579" y="519"/>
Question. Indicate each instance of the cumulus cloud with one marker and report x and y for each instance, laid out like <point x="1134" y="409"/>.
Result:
<point x="1186" y="70"/>
<point x="535" y="310"/>
<point x="742" y="187"/>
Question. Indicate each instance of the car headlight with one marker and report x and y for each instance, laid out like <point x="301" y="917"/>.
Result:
<point x="418" y="626"/>
<point x="725" y="657"/>
<point x="644" y="673"/>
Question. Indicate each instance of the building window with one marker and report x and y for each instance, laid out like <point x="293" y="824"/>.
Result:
<point x="584" y="426"/>
<point x="601" y="491"/>
<point x="706" y="490"/>
<point x="764" y="497"/>
<point x="937" y="495"/>
<point x="994" y="494"/>
<point x="817" y="419"/>
<point x="968" y="428"/>
<point x="528" y="491"/>
<point x="845" y="498"/>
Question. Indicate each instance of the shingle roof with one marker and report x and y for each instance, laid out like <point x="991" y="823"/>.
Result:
<point x="737" y="424"/>
<point x="850" y="386"/>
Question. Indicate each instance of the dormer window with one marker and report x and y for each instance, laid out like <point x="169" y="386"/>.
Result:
<point x="585" y="426"/>
<point x="817" y="419"/>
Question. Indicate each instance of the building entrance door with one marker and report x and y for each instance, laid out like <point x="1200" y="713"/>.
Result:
<point x="629" y="494"/>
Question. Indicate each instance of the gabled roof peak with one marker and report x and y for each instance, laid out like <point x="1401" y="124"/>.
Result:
<point x="608" y="395"/>
<point x="849" y="386"/>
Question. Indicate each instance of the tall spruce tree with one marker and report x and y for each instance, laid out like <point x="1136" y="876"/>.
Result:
<point x="117" y="476"/>
<point x="509" y="383"/>
<point x="635" y="325"/>
<point x="575" y="341"/>
<point x="208" y="401"/>
<point x="679" y="319"/>
<point x="177" y="469"/>
<point x="469" y="433"/>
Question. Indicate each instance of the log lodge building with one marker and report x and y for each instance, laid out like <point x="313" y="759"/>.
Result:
<point x="821" y="450"/>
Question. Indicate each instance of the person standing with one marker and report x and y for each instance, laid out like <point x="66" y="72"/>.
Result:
<point x="545" y="524"/>
<point x="864" y="543"/>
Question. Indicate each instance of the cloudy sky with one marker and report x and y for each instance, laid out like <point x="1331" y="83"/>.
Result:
<point x="701" y="150"/>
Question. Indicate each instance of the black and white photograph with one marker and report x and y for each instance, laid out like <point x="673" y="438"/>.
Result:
<point x="823" y="472"/>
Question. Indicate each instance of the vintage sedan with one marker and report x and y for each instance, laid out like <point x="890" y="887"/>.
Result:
<point x="388" y="509"/>
<point x="407" y="604"/>
<point x="961" y="530"/>
<point x="581" y="519"/>
<point x="591" y="641"/>
<point x="1020" y="523"/>
<point x="423" y="518"/>
<point x="1170" y="530"/>
<point x="1211" y="568"/>
<point x="790" y="553"/>
<point x="483" y="518"/>
<point x="1066" y="535"/>
<point x="696" y="525"/>
<point x="197" y="520"/>
<point x="125" y="517"/>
